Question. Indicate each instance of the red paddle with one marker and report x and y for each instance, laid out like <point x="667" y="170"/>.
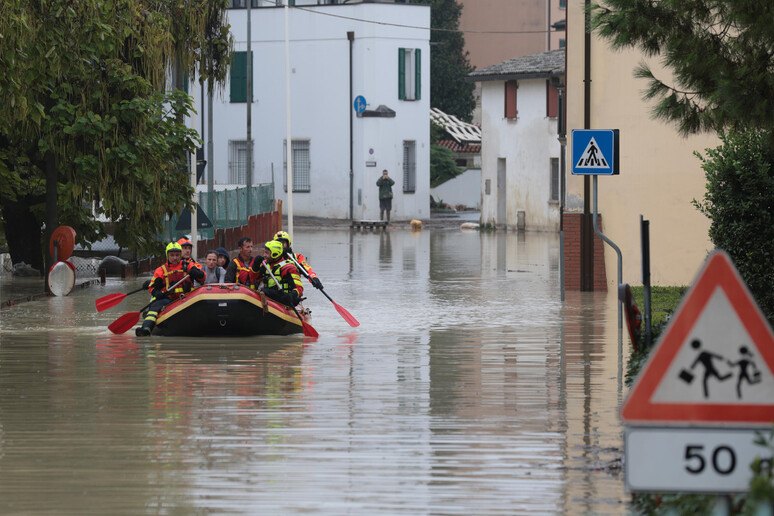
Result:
<point x="127" y="321"/>
<point x="342" y="311"/>
<point x="111" y="300"/>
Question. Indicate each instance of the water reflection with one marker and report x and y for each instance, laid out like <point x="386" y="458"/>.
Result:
<point x="469" y="388"/>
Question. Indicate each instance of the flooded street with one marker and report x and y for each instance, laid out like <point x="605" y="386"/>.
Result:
<point x="469" y="388"/>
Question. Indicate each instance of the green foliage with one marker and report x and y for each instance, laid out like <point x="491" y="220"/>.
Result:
<point x="83" y="85"/>
<point x="740" y="203"/>
<point x="449" y="64"/>
<point x="442" y="166"/>
<point x="718" y="52"/>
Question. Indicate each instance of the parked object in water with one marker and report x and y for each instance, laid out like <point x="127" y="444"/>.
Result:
<point x="227" y="309"/>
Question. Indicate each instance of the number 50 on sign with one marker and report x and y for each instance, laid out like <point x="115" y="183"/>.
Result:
<point x="701" y="460"/>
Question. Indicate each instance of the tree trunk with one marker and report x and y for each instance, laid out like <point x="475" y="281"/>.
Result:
<point x="52" y="221"/>
<point x="22" y="231"/>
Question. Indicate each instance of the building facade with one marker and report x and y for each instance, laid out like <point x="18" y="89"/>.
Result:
<point x="520" y="151"/>
<point x="659" y="174"/>
<point x="371" y="52"/>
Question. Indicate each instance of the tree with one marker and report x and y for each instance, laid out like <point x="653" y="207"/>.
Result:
<point x="740" y="203"/>
<point x="449" y="65"/>
<point x="86" y="123"/>
<point x="720" y="52"/>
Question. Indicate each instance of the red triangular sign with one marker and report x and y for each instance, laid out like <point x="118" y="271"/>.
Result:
<point x="714" y="363"/>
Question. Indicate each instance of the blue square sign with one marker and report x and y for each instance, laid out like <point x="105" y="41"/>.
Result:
<point x="595" y="152"/>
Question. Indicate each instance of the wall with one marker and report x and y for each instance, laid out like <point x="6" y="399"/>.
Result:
<point x="321" y="105"/>
<point x="527" y="144"/>
<point x="464" y="189"/>
<point x="659" y="177"/>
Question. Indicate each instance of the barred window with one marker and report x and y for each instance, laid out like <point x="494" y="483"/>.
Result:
<point x="409" y="167"/>
<point x="237" y="161"/>
<point x="302" y="165"/>
<point x="554" y="179"/>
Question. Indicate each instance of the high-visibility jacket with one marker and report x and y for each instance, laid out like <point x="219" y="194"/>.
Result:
<point x="303" y="263"/>
<point x="244" y="272"/>
<point x="287" y="275"/>
<point x="166" y="276"/>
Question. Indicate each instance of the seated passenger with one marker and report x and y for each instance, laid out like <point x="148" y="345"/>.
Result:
<point x="277" y="268"/>
<point x="239" y="270"/>
<point x="213" y="272"/>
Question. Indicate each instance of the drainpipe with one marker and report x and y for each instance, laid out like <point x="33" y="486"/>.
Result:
<point x="587" y="238"/>
<point x="351" y="38"/>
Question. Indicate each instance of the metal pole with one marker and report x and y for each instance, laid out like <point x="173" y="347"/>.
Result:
<point x="645" y="236"/>
<point x="562" y="164"/>
<point x="618" y="252"/>
<point x="210" y="164"/>
<point x="195" y="209"/>
<point x="289" y="150"/>
<point x="351" y="38"/>
<point x="249" y="58"/>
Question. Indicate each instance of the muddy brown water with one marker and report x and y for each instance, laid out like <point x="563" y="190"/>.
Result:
<point x="469" y="388"/>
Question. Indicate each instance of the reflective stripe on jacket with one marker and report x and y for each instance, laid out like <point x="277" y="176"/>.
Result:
<point x="245" y="274"/>
<point x="171" y="274"/>
<point x="287" y="274"/>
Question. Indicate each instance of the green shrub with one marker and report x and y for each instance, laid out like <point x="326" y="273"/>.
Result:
<point x="740" y="204"/>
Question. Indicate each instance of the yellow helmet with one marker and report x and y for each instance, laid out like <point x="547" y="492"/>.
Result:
<point x="275" y="249"/>
<point x="282" y="235"/>
<point x="174" y="246"/>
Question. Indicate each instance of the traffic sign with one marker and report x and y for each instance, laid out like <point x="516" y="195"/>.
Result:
<point x="712" y="460"/>
<point x="595" y="152"/>
<point x="713" y="366"/>
<point x="359" y="104"/>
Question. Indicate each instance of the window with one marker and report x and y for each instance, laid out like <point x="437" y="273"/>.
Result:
<point x="562" y="4"/>
<point x="301" y="165"/>
<point x="242" y="4"/>
<point x="238" y="80"/>
<point x="561" y="43"/>
<point x="552" y="100"/>
<point x="409" y="73"/>
<point x="409" y="167"/>
<point x="510" y="99"/>
<point x="237" y="161"/>
<point x="554" y="179"/>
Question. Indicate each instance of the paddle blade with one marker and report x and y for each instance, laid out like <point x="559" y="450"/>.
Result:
<point x="124" y="323"/>
<point x="346" y="315"/>
<point x="309" y="331"/>
<point x="109" y="301"/>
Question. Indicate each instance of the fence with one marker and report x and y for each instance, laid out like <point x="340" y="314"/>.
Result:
<point x="226" y="209"/>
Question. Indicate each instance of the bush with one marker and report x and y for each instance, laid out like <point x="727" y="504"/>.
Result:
<point x="442" y="166"/>
<point x="740" y="203"/>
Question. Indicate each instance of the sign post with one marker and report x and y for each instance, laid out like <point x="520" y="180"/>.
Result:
<point x="693" y="413"/>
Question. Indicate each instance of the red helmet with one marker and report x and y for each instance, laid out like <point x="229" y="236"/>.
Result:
<point x="184" y="241"/>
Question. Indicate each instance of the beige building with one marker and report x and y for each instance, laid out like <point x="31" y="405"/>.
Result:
<point x="660" y="175"/>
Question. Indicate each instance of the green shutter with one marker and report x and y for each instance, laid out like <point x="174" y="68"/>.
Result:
<point x="238" y="77"/>
<point x="402" y="73"/>
<point x="418" y="69"/>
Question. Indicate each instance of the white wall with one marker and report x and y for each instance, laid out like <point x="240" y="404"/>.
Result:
<point x="527" y="143"/>
<point x="321" y="105"/>
<point x="464" y="189"/>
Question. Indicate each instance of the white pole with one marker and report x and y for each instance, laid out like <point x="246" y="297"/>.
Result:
<point x="289" y="150"/>
<point x="194" y="236"/>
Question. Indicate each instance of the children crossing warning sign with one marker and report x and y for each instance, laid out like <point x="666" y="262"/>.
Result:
<point x="714" y="363"/>
<point x="595" y="152"/>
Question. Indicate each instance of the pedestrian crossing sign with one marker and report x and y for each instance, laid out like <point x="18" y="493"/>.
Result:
<point x="714" y="363"/>
<point x="595" y="152"/>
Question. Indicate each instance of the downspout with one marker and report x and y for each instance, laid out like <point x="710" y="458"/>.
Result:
<point x="351" y="38"/>
<point x="587" y="239"/>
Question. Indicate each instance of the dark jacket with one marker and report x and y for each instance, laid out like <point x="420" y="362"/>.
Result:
<point x="222" y="251"/>
<point x="385" y="187"/>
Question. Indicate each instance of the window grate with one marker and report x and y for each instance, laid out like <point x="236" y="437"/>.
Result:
<point x="302" y="166"/>
<point x="237" y="161"/>
<point x="409" y="167"/>
<point x="554" y="179"/>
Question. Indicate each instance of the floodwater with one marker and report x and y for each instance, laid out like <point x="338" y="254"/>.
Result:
<point x="469" y="388"/>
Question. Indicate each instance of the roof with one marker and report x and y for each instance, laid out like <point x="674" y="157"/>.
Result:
<point x="461" y="132"/>
<point x="535" y="66"/>
<point x="460" y="148"/>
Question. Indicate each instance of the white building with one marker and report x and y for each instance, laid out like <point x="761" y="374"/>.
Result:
<point x="337" y="54"/>
<point x="520" y="150"/>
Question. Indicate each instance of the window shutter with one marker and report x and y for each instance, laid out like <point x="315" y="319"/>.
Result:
<point x="418" y="70"/>
<point x="552" y="100"/>
<point x="238" y="77"/>
<point x="402" y="73"/>
<point x="510" y="99"/>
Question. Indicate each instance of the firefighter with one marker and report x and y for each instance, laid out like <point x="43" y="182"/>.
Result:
<point x="164" y="278"/>
<point x="298" y="259"/>
<point x="290" y="290"/>
<point x="241" y="269"/>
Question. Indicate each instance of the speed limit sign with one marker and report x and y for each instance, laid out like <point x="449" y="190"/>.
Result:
<point x="711" y="460"/>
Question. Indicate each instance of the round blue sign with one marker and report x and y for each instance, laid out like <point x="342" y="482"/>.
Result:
<point x="359" y="104"/>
